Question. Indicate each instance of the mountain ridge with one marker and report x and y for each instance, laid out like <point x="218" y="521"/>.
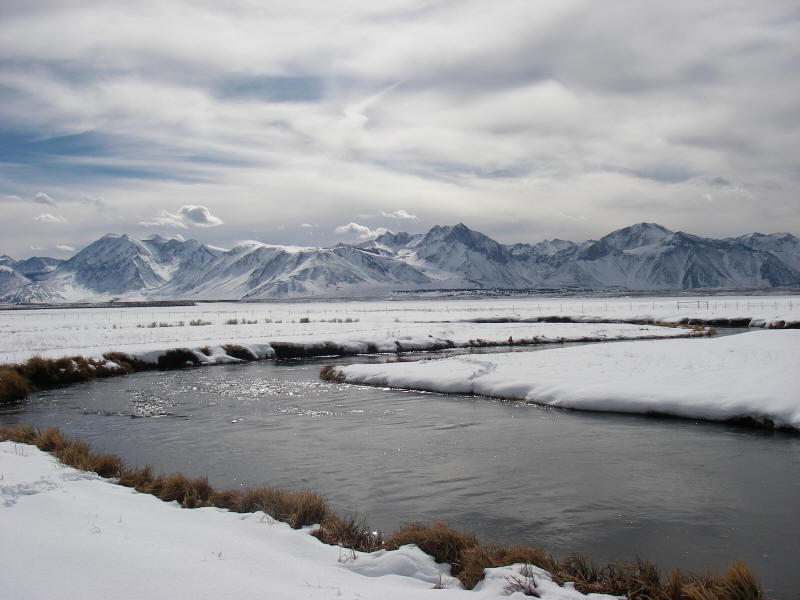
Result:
<point x="641" y="257"/>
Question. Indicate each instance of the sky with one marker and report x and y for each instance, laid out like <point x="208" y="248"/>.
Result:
<point x="313" y="122"/>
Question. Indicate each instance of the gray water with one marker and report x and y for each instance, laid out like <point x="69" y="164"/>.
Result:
<point x="676" y="492"/>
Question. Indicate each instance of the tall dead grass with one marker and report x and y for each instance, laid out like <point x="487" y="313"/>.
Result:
<point x="468" y="557"/>
<point x="639" y="580"/>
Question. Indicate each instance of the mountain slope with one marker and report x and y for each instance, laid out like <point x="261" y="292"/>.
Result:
<point x="645" y="256"/>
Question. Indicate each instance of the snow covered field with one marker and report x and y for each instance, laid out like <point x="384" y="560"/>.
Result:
<point x="55" y="333"/>
<point x="752" y="375"/>
<point x="68" y="534"/>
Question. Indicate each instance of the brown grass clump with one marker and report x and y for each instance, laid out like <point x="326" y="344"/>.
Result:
<point x="13" y="386"/>
<point x="298" y="509"/>
<point x="177" y="358"/>
<point x="19" y="434"/>
<point x="329" y="373"/>
<point x="52" y="440"/>
<point x="444" y="544"/>
<point x="239" y="352"/>
<point x="738" y="583"/>
<point x="189" y="493"/>
<point x="227" y="499"/>
<point x="349" y="533"/>
<point x="138" y="478"/>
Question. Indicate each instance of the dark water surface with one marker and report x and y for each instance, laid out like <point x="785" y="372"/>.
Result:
<point x="676" y="492"/>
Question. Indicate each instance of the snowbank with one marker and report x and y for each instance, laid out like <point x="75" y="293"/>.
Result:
<point x="752" y="375"/>
<point x="68" y="534"/>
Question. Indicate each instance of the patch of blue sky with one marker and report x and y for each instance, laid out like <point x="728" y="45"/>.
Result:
<point x="271" y="88"/>
<point x="97" y="155"/>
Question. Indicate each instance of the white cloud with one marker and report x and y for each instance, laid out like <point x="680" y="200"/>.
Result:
<point x="362" y="232"/>
<point x="400" y="214"/>
<point x="65" y="248"/>
<point x="199" y="216"/>
<point x="164" y="219"/>
<point x="42" y="198"/>
<point x="48" y="218"/>
<point x="306" y="225"/>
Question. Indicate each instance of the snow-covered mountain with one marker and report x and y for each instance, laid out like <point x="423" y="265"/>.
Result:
<point x="645" y="256"/>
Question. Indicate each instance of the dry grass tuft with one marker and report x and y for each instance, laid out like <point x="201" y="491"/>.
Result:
<point x="239" y="352"/>
<point x="227" y="499"/>
<point x="329" y="373"/>
<point x="19" y="434"/>
<point x="13" y="386"/>
<point x="350" y="533"/>
<point x="444" y="544"/>
<point x="298" y="509"/>
<point x="177" y="358"/>
<point x="138" y="478"/>
<point x="189" y="493"/>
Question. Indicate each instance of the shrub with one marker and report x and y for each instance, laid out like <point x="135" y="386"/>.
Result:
<point x="198" y="323"/>
<point x="232" y="322"/>
<point x="304" y="320"/>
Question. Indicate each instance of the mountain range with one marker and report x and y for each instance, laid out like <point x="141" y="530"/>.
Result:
<point x="645" y="256"/>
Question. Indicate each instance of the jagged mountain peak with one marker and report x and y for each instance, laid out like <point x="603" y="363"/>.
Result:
<point x="636" y="236"/>
<point x="644" y="256"/>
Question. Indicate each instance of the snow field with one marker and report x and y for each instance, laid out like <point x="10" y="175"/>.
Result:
<point x="54" y="333"/>
<point x="69" y="534"/>
<point x="751" y="375"/>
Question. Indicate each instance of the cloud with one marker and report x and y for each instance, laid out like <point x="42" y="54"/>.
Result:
<point x="400" y="214"/>
<point x="65" y="248"/>
<point x="544" y="101"/>
<point x="164" y="219"/>
<point x="48" y="218"/>
<point x="362" y="232"/>
<point x="199" y="216"/>
<point x="42" y="198"/>
<point x="306" y="225"/>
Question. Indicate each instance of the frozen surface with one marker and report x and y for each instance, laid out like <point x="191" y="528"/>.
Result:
<point x="91" y="331"/>
<point x="68" y="534"/>
<point x="752" y="375"/>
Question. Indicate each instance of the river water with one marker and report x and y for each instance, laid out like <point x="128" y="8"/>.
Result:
<point x="676" y="492"/>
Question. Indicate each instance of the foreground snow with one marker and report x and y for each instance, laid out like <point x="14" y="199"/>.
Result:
<point x="69" y="534"/>
<point x="54" y="333"/>
<point x="749" y="375"/>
